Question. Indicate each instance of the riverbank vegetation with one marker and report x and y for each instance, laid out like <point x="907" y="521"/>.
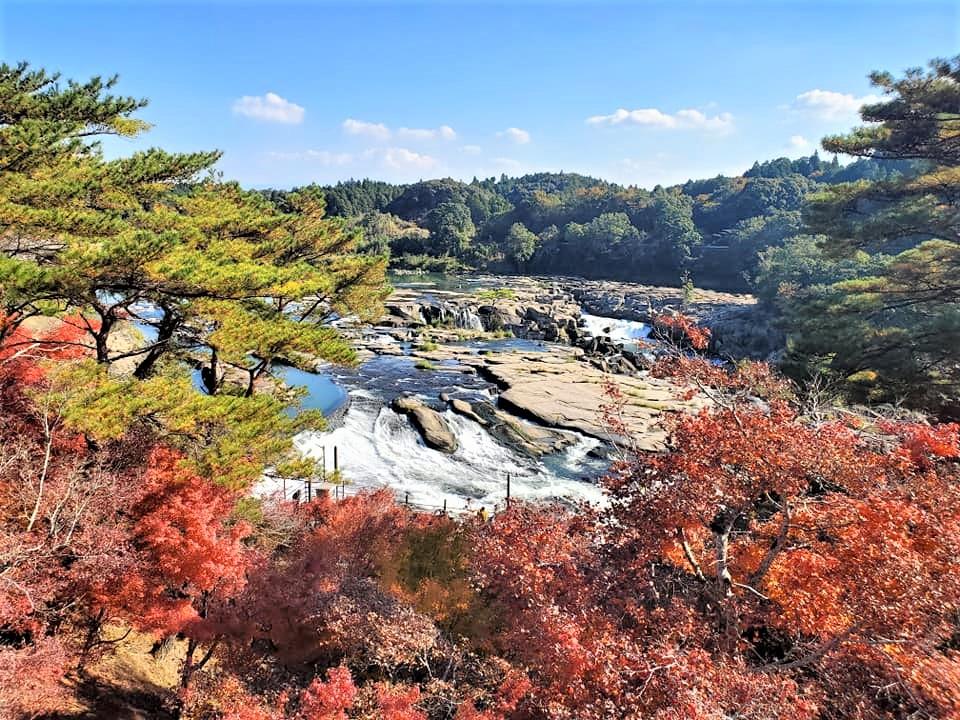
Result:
<point x="783" y="557"/>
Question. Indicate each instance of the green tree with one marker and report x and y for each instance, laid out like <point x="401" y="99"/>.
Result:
<point x="786" y="271"/>
<point x="520" y="244"/>
<point x="138" y="238"/>
<point x="158" y="267"/>
<point x="674" y="234"/>
<point x="902" y="324"/>
<point x="451" y="228"/>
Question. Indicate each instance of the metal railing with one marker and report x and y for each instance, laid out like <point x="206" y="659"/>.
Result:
<point x="304" y="490"/>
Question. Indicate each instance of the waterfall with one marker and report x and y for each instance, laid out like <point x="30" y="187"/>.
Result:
<point x="626" y="331"/>
<point x="467" y="319"/>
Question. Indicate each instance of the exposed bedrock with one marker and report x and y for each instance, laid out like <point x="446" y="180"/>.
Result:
<point x="434" y="430"/>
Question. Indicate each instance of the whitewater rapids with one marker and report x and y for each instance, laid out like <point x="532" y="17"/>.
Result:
<point x="377" y="447"/>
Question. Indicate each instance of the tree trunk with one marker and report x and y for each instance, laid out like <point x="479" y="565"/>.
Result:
<point x="101" y="338"/>
<point x="211" y="375"/>
<point x="168" y="325"/>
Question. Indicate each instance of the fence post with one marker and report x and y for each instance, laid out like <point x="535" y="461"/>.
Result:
<point x="336" y="463"/>
<point x="508" y="489"/>
<point x="309" y="486"/>
<point x="406" y="499"/>
<point x="444" y="506"/>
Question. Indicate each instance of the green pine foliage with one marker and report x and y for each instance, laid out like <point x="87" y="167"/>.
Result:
<point x="896" y="321"/>
<point x="215" y="276"/>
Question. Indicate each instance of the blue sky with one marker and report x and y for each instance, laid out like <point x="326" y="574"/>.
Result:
<point x="636" y="92"/>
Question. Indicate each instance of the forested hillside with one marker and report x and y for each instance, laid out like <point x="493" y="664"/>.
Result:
<point x="570" y="224"/>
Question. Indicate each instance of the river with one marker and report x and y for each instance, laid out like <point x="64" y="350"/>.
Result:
<point x="377" y="447"/>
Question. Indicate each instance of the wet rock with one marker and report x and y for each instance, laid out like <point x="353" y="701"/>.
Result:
<point x="528" y="439"/>
<point x="428" y="422"/>
<point x="410" y="313"/>
<point x="462" y="407"/>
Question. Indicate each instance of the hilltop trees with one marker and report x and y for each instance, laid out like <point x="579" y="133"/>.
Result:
<point x="451" y="229"/>
<point x="519" y="244"/>
<point x="897" y="326"/>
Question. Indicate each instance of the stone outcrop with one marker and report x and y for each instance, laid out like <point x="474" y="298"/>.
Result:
<point x="428" y="422"/>
<point x="526" y="438"/>
<point x="530" y="309"/>
<point x="747" y="331"/>
<point x="557" y="391"/>
<point x="632" y="301"/>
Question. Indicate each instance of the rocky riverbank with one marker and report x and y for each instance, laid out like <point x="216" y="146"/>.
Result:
<point x="739" y="327"/>
<point x="584" y="343"/>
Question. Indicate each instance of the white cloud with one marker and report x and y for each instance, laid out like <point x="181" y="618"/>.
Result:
<point x="403" y="159"/>
<point x="829" y="105"/>
<point x="444" y="132"/>
<point x="652" y="117"/>
<point x="270" y="107"/>
<point x="799" y="142"/>
<point x="377" y="131"/>
<point x="471" y="149"/>
<point x="520" y="137"/>
<point x="321" y="157"/>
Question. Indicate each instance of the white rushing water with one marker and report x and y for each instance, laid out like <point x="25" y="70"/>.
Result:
<point x="624" y="331"/>
<point x="377" y="447"/>
<point x="468" y="319"/>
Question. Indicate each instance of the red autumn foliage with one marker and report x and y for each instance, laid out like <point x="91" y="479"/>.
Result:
<point x="682" y="328"/>
<point x="24" y="348"/>
<point x="700" y="376"/>
<point x="764" y="564"/>
<point x="399" y="703"/>
<point x="329" y="699"/>
<point x="320" y="601"/>
<point x="30" y="677"/>
<point x="183" y="556"/>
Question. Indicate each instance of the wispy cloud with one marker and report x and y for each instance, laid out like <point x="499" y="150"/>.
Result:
<point x="517" y="135"/>
<point x="830" y="105"/>
<point x="377" y="131"/>
<point x="653" y="118"/>
<point x="471" y="149"/>
<point x="444" y="132"/>
<point x="270" y="108"/>
<point x="381" y="132"/>
<point x="799" y="142"/>
<point x="399" y="158"/>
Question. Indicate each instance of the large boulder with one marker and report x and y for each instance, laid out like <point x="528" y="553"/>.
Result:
<point x="410" y="313"/>
<point x="434" y="430"/>
<point x="745" y="332"/>
<point x="532" y="440"/>
<point x="462" y="407"/>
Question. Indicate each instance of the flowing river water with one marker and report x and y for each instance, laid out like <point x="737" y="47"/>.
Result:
<point x="377" y="447"/>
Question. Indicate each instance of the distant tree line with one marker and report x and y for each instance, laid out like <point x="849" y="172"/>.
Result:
<point x="566" y="223"/>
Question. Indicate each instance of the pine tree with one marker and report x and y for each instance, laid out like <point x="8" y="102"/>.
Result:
<point x="901" y="325"/>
